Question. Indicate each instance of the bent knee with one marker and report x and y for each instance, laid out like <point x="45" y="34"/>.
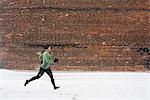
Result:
<point x="38" y="76"/>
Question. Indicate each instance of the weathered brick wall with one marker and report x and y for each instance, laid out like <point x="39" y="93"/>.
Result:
<point x="107" y="33"/>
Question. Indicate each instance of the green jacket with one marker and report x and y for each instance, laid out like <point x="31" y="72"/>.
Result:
<point x="47" y="60"/>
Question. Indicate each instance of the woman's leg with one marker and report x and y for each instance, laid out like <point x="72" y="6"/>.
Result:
<point x="40" y="73"/>
<point x="50" y="74"/>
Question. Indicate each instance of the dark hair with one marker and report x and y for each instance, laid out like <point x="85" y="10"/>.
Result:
<point x="46" y="46"/>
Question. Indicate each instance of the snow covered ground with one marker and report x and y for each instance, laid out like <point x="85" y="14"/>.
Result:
<point x="75" y="86"/>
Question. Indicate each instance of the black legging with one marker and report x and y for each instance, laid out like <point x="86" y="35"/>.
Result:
<point x="41" y="72"/>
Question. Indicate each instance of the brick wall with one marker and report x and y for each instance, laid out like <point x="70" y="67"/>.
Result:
<point x="85" y="34"/>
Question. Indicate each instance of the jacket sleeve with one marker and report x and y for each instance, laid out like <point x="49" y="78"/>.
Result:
<point x="48" y="59"/>
<point x="41" y="57"/>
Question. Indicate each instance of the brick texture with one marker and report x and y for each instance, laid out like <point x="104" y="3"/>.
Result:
<point x="85" y="34"/>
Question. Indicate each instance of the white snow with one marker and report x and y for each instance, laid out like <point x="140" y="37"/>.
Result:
<point x="75" y="86"/>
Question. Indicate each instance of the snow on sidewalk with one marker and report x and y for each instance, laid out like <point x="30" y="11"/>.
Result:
<point x="75" y="86"/>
